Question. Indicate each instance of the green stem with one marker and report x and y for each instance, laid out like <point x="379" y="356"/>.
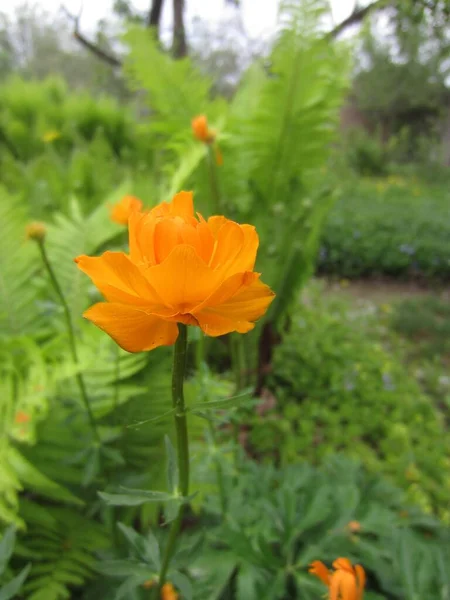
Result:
<point x="70" y="330"/>
<point x="178" y="372"/>
<point x="214" y="183"/>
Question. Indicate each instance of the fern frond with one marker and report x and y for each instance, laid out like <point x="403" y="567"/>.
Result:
<point x="70" y="236"/>
<point x="177" y="91"/>
<point x="19" y="312"/>
<point x="63" y="546"/>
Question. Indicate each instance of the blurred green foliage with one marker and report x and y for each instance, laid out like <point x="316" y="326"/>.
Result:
<point x="395" y="226"/>
<point x="337" y="388"/>
<point x="281" y="519"/>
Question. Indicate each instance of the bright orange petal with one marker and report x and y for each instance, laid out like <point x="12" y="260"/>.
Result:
<point x="335" y="585"/>
<point x="182" y="205"/>
<point x="183" y="279"/>
<point x="121" y="211"/>
<point x="344" y="564"/>
<point x="215" y="223"/>
<point x="236" y="245"/>
<point x="238" y="313"/>
<point x="318" y="569"/>
<point x="133" y="330"/>
<point x="227" y="289"/>
<point x="118" y="279"/>
<point x="348" y="586"/>
<point x="141" y="228"/>
<point x="245" y="260"/>
<point x="229" y="241"/>
<point x="166" y="237"/>
<point x="361" y="578"/>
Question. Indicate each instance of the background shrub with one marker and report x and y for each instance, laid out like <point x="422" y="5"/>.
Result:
<point x="337" y="388"/>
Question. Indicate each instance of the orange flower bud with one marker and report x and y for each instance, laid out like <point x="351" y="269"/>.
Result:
<point x="180" y="269"/>
<point x="346" y="582"/>
<point x="201" y="130"/>
<point x="36" y="231"/>
<point x="168" y="592"/>
<point x="120" y="212"/>
<point x="354" y="526"/>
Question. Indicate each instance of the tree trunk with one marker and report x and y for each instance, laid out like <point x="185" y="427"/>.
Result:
<point x="179" y="46"/>
<point x="154" y="16"/>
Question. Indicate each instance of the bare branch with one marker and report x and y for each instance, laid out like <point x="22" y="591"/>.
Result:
<point x="357" y="16"/>
<point x="96" y="50"/>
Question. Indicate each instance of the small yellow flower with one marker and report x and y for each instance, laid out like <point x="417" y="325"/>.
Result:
<point x="344" y="283"/>
<point x="51" y="136"/>
<point x="344" y="583"/>
<point x="36" y="231"/>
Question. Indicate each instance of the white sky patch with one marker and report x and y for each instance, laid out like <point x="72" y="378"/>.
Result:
<point x="258" y="16"/>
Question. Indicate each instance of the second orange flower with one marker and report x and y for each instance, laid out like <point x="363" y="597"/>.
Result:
<point x="181" y="269"/>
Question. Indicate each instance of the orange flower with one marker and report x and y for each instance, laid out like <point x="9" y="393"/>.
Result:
<point x="345" y="582"/>
<point x="181" y="269"/>
<point x="168" y="592"/>
<point x="201" y="130"/>
<point x="21" y="417"/>
<point x="120" y="212"/>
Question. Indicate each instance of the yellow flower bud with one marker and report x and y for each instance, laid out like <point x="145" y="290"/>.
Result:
<point x="36" y="231"/>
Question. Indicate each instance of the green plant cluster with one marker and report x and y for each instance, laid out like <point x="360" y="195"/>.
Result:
<point x="423" y="325"/>
<point x="32" y="110"/>
<point x="280" y="520"/>
<point x="60" y="156"/>
<point x="55" y="143"/>
<point x="392" y="226"/>
<point x="338" y="388"/>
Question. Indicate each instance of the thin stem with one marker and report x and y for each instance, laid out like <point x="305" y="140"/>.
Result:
<point x="213" y="180"/>
<point x="178" y="372"/>
<point x="70" y="330"/>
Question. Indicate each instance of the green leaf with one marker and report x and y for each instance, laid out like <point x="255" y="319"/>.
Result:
<point x="246" y="583"/>
<point x="172" y="466"/>
<point x="29" y="475"/>
<point x="114" y="455"/>
<point x="182" y="583"/>
<point x="147" y="547"/>
<point x="10" y="590"/>
<point x="171" y="510"/>
<point x="92" y="467"/>
<point x="217" y="404"/>
<point x="6" y="547"/>
<point x="152" y="546"/>
<point x="131" y="497"/>
<point x="124" y="568"/>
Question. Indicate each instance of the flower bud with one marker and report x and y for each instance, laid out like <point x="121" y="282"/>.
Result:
<point x="36" y="231"/>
